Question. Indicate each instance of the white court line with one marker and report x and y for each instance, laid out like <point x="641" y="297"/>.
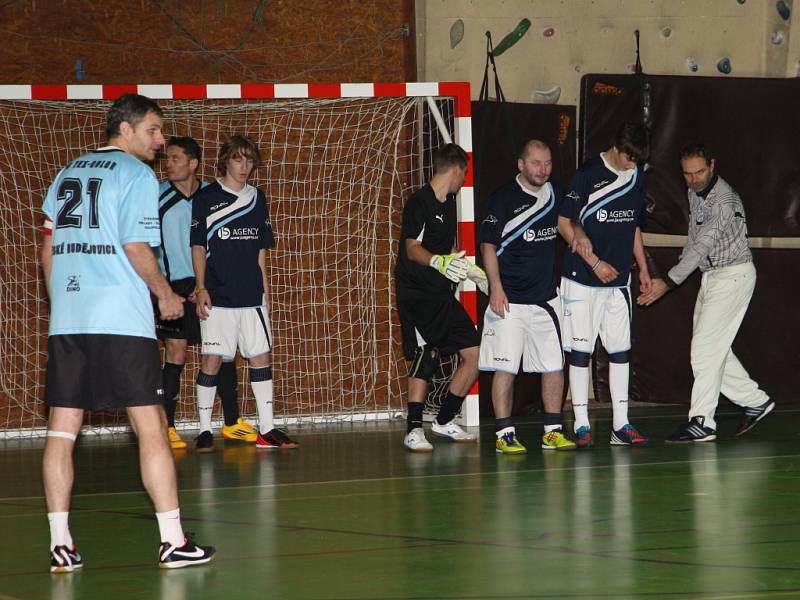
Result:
<point x="349" y="493"/>
<point x="420" y="477"/>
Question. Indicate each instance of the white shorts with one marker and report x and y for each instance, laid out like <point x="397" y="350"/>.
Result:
<point x="528" y="332"/>
<point x="593" y="311"/>
<point x="225" y="329"/>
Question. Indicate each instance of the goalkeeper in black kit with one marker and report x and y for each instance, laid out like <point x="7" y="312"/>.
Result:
<point x="433" y="322"/>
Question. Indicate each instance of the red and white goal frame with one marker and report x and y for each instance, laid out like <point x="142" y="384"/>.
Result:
<point x="462" y="135"/>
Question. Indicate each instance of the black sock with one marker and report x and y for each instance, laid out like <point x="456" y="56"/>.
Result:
<point x="500" y="424"/>
<point x="450" y="407"/>
<point x="171" y="380"/>
<point x="552" y="419"/>
<point x="414" y="418"/>
<point x="227" y="387"/>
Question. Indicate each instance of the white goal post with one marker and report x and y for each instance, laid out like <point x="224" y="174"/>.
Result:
<point x="339" y="162"/>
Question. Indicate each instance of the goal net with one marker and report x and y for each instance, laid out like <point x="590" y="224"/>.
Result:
<point x="336" y="171"/>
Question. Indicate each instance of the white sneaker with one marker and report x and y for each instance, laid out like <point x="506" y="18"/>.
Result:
<point x="454" y="432"/>
<point x="416" y="442"/>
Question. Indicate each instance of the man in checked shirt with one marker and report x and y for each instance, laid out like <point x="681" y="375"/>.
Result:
<point x="717" y="244"/>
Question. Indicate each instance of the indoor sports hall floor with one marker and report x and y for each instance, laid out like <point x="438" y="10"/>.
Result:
<point x="351" y="515"/>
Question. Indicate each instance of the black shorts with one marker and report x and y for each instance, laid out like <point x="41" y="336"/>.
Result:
<point x="188" y="326"/>
<point x="441" y="321"/>
<point x="102" y="372"/>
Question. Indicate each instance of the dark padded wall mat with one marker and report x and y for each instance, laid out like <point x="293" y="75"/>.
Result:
<point x="753" y="125"/>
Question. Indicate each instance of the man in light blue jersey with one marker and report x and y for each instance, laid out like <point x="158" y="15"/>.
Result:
<point x="602" y="218"/>
<point x="231" y="233"/>
<point x="183" y="156"/>
<point x="101" y="222"/>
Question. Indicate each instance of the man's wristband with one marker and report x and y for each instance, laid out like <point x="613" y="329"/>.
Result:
<point x="198" y="290"/>
<point x="595" y="264"/>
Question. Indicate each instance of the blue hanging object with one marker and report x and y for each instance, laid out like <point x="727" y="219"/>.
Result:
<point x="724" y="65"/>
<point x="79" y="69"/>
<point x="783" y="10"/>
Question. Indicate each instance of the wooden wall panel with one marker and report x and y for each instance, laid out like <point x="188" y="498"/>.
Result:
<point x="166" y="41"/>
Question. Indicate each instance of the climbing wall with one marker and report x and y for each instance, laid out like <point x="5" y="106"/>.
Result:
<point x="548" y="45"/>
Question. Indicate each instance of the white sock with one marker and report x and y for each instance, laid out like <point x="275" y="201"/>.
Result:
<point x="169" y="527"/>
<point x="505" y="430"/>
<point x="263" y="391"/>
<point x="549" y="428"/>
<point x="579" y="390"/>
<point x="59" y="530"/>
<point x="205" y="405"/>
<point x="618" y="385"/>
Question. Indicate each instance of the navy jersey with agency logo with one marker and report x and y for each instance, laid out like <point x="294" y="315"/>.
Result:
<point x="233" y="227"/>
<point x="434" y="224"/>
<point x="522" y="225"/>
<point x="609" y="205"/>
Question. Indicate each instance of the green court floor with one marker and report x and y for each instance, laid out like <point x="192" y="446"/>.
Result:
<point x="351" y="515"/>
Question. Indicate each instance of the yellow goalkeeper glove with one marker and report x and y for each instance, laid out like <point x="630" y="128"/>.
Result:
<point x="478" y="277"/>
<point x="453" y="266"/>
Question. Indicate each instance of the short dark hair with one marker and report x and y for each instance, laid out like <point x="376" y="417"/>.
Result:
<point x="237" y="145"/>
<point x="530" y="145"/>
<point x="633" y="139"/>
<point x="130" y="108"/>
<point x="448" y="156"/>
<point x="697" y="149"/>
<point x="189" y="146"/>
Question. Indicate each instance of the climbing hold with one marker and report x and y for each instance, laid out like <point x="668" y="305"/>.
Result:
<point x="456" y="33"/>
<point x="666" y="32"/>
<point x="79" y="69"/>
<point x="724" y="65"/>
<point x="692" y="65"/>
<point x="549" y="32"/>
<point x="777" y="38"/>
<point x="783" y="10"/>
<point x="512" y="38"/>
<point x="550" y="96"/>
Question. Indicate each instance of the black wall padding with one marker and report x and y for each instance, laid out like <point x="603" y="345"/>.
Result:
<point x="505" y="128"/>
<point x="753" y="125"/>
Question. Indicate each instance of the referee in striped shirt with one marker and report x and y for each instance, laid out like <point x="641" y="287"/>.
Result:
<point x="717" y="245"/>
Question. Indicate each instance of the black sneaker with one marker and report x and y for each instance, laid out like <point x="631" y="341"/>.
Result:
<point x="204" y="442"/>
<point x="693" y="431"/>
<point x="275" y="438"/>
<point x="64" y="560"/>
<point x="188" y="555"/>
<point x="752" y="416"/>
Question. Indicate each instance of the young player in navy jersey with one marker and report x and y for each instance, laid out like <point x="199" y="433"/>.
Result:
<point x="523" y="320"/>
<point x="183" y="156"/>
<point x="602" y="217"/>
<point x="101" y="222"/>
<point x="231" y="232"/>
<point x="432" y="321"/>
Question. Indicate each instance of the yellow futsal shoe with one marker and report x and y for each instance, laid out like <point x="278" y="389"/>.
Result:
<point x="508" y="443"/>
<point x="242" y="431"/>
<point x="175" y="439"/>
<point x="555" y="440"/>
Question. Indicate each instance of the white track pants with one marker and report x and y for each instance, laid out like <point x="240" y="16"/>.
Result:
<point x="721" y="304"/>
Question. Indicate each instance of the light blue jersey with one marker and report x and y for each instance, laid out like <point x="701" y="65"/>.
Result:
<point x="175" y="212"/>
<point x="98" y="203"/>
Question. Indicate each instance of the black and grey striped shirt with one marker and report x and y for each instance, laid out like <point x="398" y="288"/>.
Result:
<point x="717" y="232"/>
